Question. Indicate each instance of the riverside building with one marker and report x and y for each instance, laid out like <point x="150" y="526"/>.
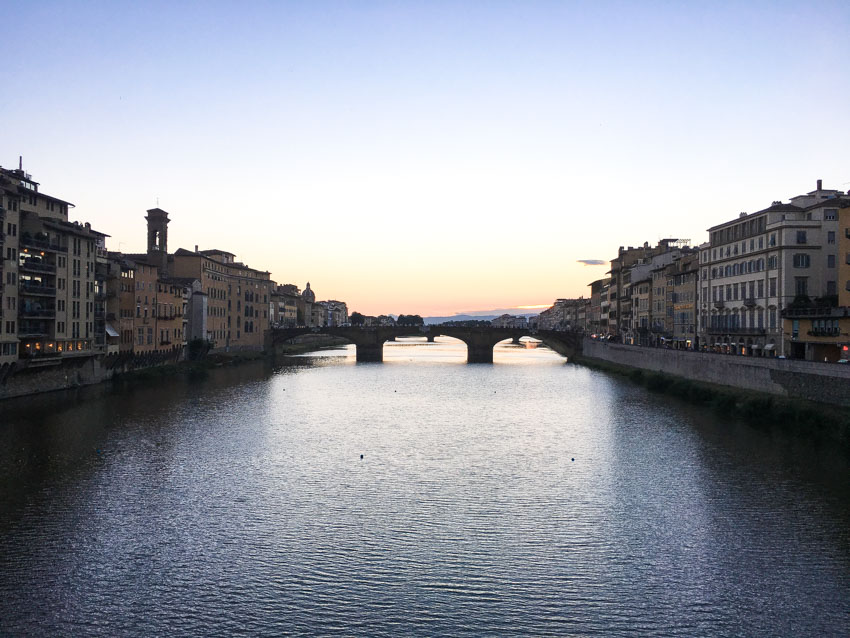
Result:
<point x="47" y="276"/>
<point x="819" y="329"/>
<point x="758" y="265"/>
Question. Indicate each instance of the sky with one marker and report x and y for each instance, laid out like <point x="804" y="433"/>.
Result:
<point x="425" y="157"/>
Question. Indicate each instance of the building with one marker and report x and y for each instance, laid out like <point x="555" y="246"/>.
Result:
<point x="312" y="317"/>
<point x="820" y="329"/>
<point x="512" y="321"/>
<point x="285" y="302"/>
<point x="684" y="298"/>
<point x="336" y="313"/>
<point x="759" y="266"/>
<point x="641" y="298"/>
<point x="47" y="276"/>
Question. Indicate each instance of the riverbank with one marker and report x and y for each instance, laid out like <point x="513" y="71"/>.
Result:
<point x="73" y="374"/>
<point x="795" y="416"/>
<point x="299" y="345"/>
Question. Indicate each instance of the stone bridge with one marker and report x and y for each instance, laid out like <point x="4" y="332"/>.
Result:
<point x="479" y="340"/>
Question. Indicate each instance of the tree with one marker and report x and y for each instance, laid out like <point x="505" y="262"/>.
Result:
<point x="410" y="320"/>
<point x="356" y="319"/>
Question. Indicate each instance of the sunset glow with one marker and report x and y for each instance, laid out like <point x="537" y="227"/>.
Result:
<point x="419" y="157"/>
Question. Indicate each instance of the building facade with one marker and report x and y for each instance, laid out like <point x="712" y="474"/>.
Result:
<point x="48" y="285"/>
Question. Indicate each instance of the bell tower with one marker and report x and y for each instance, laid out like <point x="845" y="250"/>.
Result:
<point x="158" y="239"/>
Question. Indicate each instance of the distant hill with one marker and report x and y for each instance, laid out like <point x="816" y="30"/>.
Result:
<point x="432" y="320"/>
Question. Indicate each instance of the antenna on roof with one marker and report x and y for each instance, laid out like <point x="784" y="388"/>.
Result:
<point x="20" y="162"/>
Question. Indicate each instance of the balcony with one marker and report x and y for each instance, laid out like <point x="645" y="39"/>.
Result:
<point x="32" y="332"/>
<point x="36" y="313"/>
<point x="719" y="304"/>
<point x="815" y="311"/>
<point x="28" y="241"/>
<point x="33" y="265"/>
<point x="750" y="302"/>
<point x="736" y="331"/>
<point x="824" y="332"/>
<point x="36" y="289"/>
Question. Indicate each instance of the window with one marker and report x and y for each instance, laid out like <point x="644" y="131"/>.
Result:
<point x="830" y="261"/>
<point x="830" y="214"/>
<point x="830" y="237"/>
<point x="801" y="236"/>
<point x="801" y="260"/>
<point x="831" y="288"/>
<point x="772" y="286"/>
<point x="801" y="286"/>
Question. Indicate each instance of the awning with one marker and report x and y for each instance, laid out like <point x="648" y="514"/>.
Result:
<point x="756" y="347"/>
<point x="111" y="331"/>
<point x="769" y="346"/>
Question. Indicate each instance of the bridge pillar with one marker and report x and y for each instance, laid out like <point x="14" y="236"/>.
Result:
<point x="477" y="353"/>
<point x="515" y="341"/>
<point x="430" y="338"/>
<point x="370" y="353"/>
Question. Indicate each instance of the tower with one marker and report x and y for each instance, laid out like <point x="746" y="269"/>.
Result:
<point x="158" y="239"/>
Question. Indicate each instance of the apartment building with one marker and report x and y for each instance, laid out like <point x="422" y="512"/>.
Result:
<point x="336" y="312"/>
<point x="47" y="289"/>
<point x="594" y="311"/>
<point x="641" y="294"/>
<point x="819" y="330"/>
<point x="756" y="266"/>
<point x="684" y="298"/>
<point x="285" y="302"/>
<point x="237" y="296"/>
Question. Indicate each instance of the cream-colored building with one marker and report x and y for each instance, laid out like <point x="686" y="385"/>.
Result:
<point x="820" y="330"/>
<point x="757" y="266"/>
<point x="47" y="299"/>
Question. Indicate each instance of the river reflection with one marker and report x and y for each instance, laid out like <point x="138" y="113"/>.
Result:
<point x="526" y="497"/>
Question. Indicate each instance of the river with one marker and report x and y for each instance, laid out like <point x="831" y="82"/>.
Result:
<point x="421" y="496"/>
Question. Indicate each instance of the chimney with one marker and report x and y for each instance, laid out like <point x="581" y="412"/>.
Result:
<point x="196" y="247"/>
<point x="820" y="184"/>
<point x="20" y="162"/>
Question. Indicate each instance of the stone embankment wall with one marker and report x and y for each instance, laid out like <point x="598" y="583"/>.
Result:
<point x="75" y="373"/>
<point x="814" y="381"/>
<point x="60" y="377"/>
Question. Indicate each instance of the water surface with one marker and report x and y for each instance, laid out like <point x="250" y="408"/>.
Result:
<point x="527" y="497"/>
